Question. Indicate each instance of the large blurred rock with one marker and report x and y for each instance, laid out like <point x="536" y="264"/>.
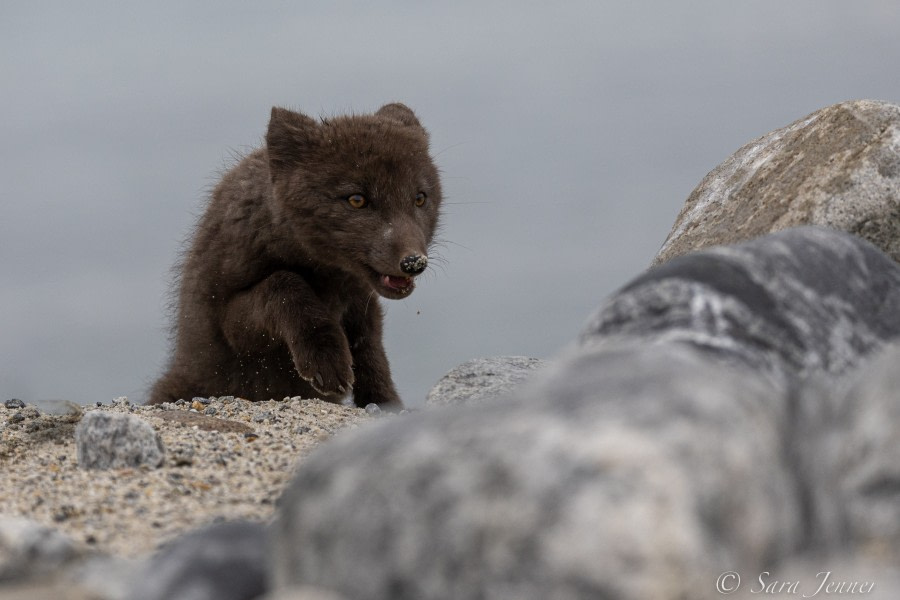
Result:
<point x="693" y="430"/>
<point x="629" y="474"/>
<point x="114" y="441"/>
<point x="805" y="301"/>
<point x="226" y="561"/>
<point x="482" y="380"/>
<point x="29" y="549"/>
<point x="838" y="167"/>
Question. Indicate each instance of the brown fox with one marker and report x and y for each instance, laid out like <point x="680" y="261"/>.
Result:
<point x="278" y="290"/>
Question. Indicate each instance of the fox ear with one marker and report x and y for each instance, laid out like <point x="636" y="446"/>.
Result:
<point x="400" y="113"/>
<point x="289" y="138"/>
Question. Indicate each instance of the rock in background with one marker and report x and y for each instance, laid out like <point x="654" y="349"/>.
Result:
<point x="838" y="167"/>
<point x="482" y="379"/>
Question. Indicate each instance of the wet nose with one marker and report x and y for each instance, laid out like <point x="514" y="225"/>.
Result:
<point x="414" y="264"/>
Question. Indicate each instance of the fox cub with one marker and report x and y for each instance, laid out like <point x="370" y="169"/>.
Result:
<point x="278" y="290"/>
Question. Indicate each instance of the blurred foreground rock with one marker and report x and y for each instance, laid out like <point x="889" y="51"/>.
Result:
<point x="29" y="549"/>
<point x="661" y="451"/>
<point x="220" y="562"/>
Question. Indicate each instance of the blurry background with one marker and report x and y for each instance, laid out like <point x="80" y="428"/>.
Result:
<point x="569" y="136"/>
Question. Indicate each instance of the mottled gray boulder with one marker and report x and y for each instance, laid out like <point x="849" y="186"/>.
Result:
<point x="838" y="167"/>
<point x="29" y="549"/>
<point x="694" y="429"/>
<point x="805" y="301"/>
<point x="481" y="380"/>
<point x="220" y="562"/>
<point x="115" y="441"/>
<point x="630" y="473"/>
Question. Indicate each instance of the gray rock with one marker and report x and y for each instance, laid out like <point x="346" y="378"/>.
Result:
<point x="14" y="403"/>
<point x="634" y="473"/>
<point x="481" y="380"/>
<point x="29" y="549"/>
<point x="114" y="441"/>
<point x="806" y="301"/>
<point x="220" y="562"/>
<point x="838" y="167"/>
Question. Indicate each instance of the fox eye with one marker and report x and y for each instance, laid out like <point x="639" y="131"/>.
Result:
<point x="357" y="201"/>
<point x="421" y="197"/>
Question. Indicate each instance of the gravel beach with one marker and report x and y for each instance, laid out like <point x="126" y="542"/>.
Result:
<point x="225" y="458"/>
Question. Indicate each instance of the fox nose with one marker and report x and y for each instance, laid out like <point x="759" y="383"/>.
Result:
<point x="414" y="264"/>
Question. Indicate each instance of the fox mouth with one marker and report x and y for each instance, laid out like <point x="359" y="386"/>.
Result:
<point x="393" y="287"/>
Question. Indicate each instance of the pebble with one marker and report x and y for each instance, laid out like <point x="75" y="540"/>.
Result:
<point x="183" y="455"/>
<point x="263" y="416"/>
<point x="373" y="409"/>
<point x="14" y="403"/>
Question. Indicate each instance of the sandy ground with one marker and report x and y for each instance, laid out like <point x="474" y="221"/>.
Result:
<point x="227" y="459"/>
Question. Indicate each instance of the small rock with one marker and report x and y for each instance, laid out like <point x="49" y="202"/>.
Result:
<point x="373" y="409"/>
<point x="111" y="441"/>
<point x="302" y="429"/>
<point x="200" y="400"/>
<point x="65" y="512"/>
<point x="482" y="380"/>
<point x="60" y="407"/>
<point x="183" y="455"/>
<point x="263" y="416"/>
<point x="210" y="410"/>
<point x="14" y="403"/>
<point x="16" y="417"/>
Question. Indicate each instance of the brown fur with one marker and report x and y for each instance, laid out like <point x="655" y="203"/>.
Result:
<point x="278" y="291"/>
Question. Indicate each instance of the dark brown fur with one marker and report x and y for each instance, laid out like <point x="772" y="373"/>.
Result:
<point x="278" y="291"/>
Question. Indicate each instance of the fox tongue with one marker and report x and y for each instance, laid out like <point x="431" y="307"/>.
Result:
<point x="395" y="283"/>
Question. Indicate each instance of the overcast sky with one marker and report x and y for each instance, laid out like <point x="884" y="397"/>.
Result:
<point x="569" y="135"/>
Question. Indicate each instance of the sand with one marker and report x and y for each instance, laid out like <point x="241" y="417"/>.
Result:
<point x="232" y="464"/>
